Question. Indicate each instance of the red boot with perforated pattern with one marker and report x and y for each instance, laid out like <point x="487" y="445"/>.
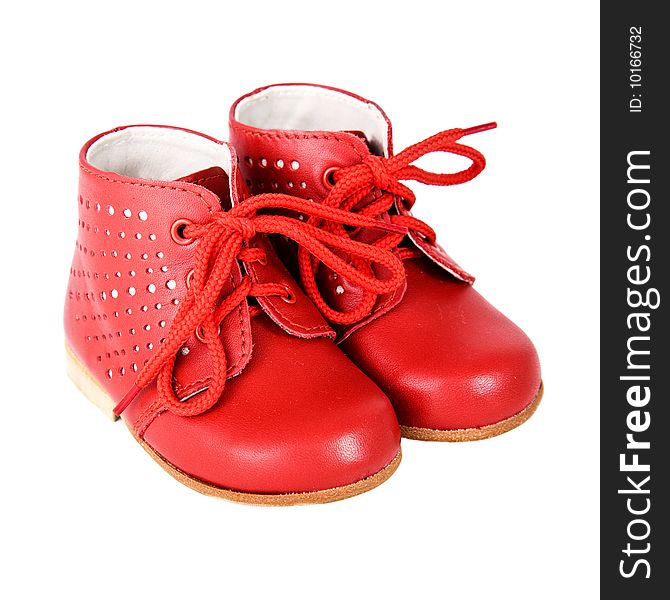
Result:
<point x="180" y="317"/>
<point x="454" y="367"/>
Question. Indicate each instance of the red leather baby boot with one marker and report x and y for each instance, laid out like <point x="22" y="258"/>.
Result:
<point x="180" y="317"/>
<point x="454" y="367"/>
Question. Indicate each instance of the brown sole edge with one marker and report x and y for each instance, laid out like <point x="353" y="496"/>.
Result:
<point x="286" y="499"/>
<point x="91" y="389"/>
<point x="473" y="433"/>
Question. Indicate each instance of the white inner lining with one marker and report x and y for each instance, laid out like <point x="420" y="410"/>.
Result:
<point x="157" y="153"/>
<point x="309" y="108"/>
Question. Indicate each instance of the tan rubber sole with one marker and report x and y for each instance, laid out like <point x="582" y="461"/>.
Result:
<point x="92" y="390"/>
<point x="473" y="433"/>
<point x="290" y="499"/>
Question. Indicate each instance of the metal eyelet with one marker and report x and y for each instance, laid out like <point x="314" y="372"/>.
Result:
<point x="290" y="297"/>
<point x="177" y="232"/>
<point x="200" y="334"/>
<point x="189" y="278"/>
<point x="328" y="179"/>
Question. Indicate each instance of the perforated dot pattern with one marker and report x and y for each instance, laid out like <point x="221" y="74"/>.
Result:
<point x="126" y="282"/>
<point x="275" y="174"/>
<point x="108" y="291"/>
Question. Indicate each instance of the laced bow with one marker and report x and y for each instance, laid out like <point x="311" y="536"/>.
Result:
<point x="382" y="177"/>
<point x="222" y="241"/>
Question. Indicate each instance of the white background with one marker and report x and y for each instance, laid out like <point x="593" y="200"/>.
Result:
<point x="87" y="514"/>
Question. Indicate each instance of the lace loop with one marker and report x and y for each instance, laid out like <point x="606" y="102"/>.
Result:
<point x="221" y="242"/>
<point x="382" y="178"/>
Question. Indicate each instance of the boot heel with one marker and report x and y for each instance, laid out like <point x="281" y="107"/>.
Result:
<point x="88" y="386"/>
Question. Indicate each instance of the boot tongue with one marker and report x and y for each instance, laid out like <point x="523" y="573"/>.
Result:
<point x="361" y="136"/>
<point x="216" y="180"/>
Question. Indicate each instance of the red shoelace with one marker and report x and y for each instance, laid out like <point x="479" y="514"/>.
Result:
<point x="383" y="178"/>
<point x="221" y="242"/>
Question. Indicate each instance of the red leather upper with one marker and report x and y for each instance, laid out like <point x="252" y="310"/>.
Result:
<point x="300" y="417"/>
<point x="128" y="276"/>
<point x="296" y="415"/>
<point x="445" y="356"/>
<point x="294" y="162"/>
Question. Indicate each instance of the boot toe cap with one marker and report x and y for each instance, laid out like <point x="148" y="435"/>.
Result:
<point x="279" y="429"/>
<point x="477" y="389"/>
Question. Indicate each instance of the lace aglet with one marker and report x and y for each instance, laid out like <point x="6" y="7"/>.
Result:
<point x="126" y="400"/>
<point x="479" y="128"/>
<point x="390" y="227"/>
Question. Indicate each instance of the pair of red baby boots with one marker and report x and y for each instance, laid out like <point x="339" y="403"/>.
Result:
<point x="267" y="316"/>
